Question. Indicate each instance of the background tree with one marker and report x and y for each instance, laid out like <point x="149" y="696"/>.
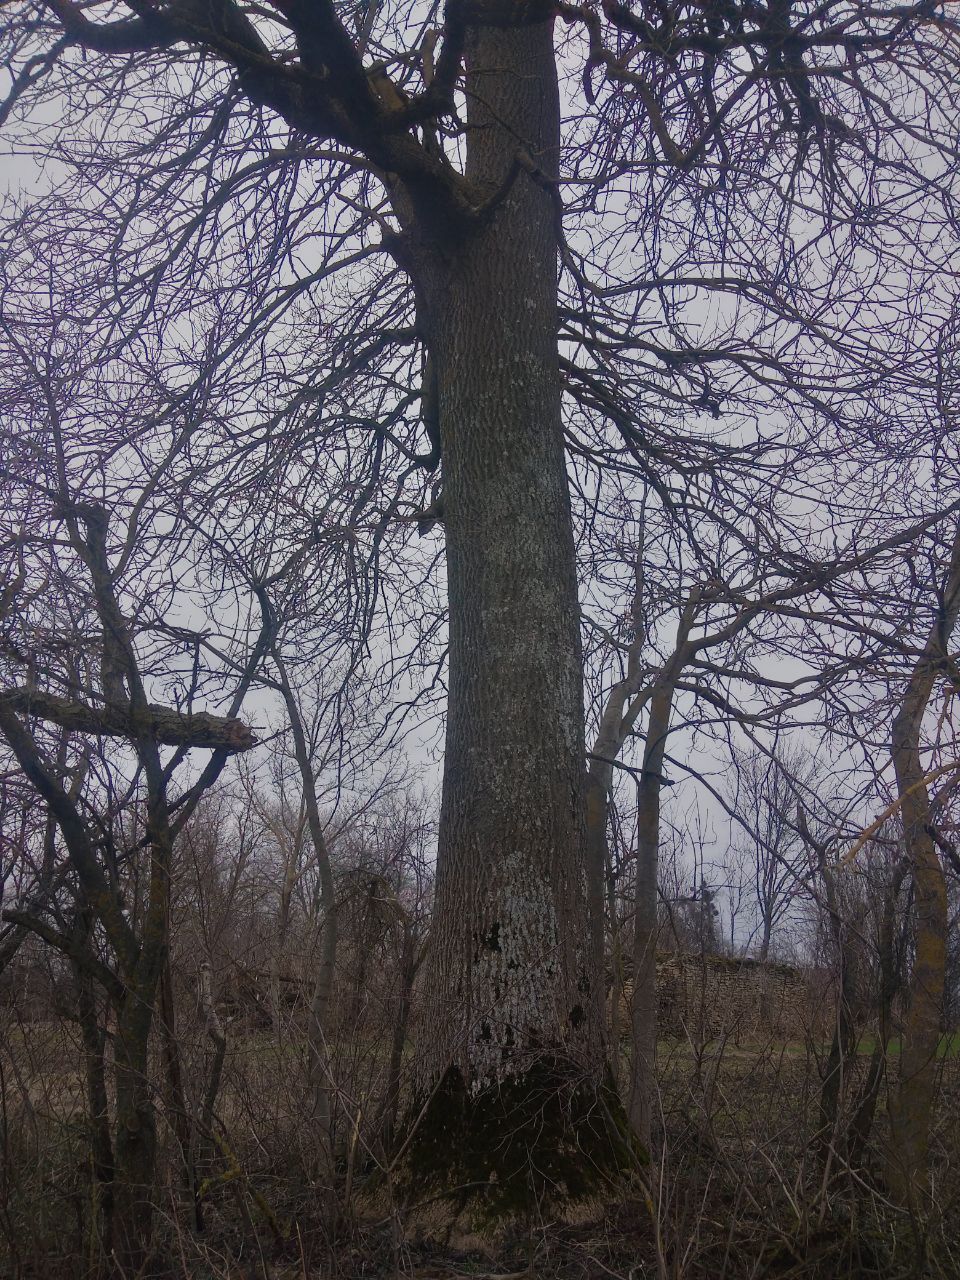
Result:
<point x="137" y="936"/>
<point x="765" y="797"/>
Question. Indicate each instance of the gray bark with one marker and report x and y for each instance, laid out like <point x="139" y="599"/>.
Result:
<point x="509" y="962"/>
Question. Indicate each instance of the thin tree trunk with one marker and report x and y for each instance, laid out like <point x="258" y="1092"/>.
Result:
<point x="408" y="972"/>
<point x="204" y="1145"/>
<point x="101" y="1146"/>
<point x="843" y="1042"/>
<point x="177" y="1099"/>
<point x="135" y="1140"/>
<point x="764" y="951"/>
<point x="913" y="1104"/>
<point x="135" y="1137"/>
<point x="290" y="871"/>
<point x="890" y="983"/>
<point x="623" y="707"/>
<point x="616" y="970"/>
<point x="643" y="1005"/>
<point x="598" y="856"/>
<point x="318" y="1022"/>
<point x="643" y="1009"/>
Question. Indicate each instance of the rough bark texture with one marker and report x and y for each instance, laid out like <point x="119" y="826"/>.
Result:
<point x="513" y="1019"/>
<point x="512" y="821"/>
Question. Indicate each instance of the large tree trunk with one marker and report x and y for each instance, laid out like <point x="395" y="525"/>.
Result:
<point x="512" y="1040"/>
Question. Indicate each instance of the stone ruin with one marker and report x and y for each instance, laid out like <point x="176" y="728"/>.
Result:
<point x="708" y="997"/>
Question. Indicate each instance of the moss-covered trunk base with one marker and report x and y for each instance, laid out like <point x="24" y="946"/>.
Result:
<point x="543" y="1143"/>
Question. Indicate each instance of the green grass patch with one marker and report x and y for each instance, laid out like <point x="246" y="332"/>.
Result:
<point x="949" y="1046"/>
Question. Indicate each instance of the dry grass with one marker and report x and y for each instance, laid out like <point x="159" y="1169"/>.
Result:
<point x="737" y="1191"/>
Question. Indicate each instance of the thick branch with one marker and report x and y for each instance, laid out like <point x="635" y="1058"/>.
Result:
<point x="128" y="35"/>
<point x="328" y="94"/>
<point x="171" y="728"/>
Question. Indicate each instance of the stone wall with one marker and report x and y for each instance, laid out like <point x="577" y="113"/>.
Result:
<point x="708" y="997"/>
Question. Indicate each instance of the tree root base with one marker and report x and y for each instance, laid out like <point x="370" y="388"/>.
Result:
<point x="547" y="1143"/>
